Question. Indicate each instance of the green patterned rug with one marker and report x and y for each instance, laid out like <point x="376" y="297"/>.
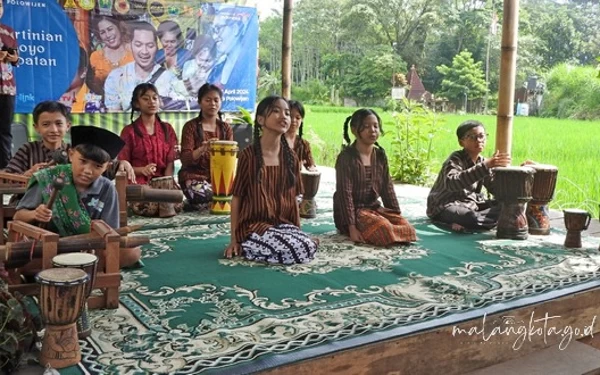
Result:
<point x="190" y="311"/>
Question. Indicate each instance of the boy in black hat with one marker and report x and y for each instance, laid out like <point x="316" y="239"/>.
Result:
<point x="86" y="195"/>
<point x="456" y="199"/>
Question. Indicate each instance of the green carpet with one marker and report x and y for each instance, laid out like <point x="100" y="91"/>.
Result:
<point x="190" y="311"/>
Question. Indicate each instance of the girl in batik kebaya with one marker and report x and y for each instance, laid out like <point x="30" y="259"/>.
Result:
<point x="265" y="222"/>
<point x="362" y="177"/>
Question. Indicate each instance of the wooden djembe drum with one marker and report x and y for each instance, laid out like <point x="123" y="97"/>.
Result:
<point x="544" y="183"/>
<point x="576" y="221"/>
<point x="62" y="294"/>
<point x="513" y="187"/>
<point x="308" y="205"/>
<point x="223" y="163"/>
<point x="89" y="264"/>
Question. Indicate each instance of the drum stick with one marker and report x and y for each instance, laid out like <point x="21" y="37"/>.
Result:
<point x="57" y="185"/>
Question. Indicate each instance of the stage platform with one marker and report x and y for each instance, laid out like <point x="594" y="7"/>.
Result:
<point x="450" y="303"/>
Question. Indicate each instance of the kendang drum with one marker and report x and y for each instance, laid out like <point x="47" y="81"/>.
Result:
<point x="513" y="186"/>
<point x="575" y="222"/>
<point x="308" y="205"/>
<point x="166" y="209"/>
<point x="544" y="184"/>
<point x="223" y="162"/>
<point x="89" y="264"/>
<point x="62" y="294"/>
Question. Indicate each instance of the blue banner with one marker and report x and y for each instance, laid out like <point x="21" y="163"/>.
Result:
<point x="90" y="54"/>
<point x="46" y="39"/>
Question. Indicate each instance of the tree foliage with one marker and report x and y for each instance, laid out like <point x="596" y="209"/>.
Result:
<point x="464" y="76"/>
<point x="340" y="43"/>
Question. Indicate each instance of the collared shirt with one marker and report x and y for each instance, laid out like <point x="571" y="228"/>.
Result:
<point x="7" y="70"/>
<point x="120" y="83"/>
<point x="32" y="153"/>
<point x="460" y="181"/>
<point x="99" y="199"/>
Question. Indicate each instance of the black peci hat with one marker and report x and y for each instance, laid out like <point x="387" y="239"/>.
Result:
<point x="105" y="139"/>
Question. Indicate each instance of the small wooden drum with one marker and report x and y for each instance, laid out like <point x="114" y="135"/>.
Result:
<point x="165" y="209"/>
<point x="62" y="295"/>
<point x="308" y="205"/>
<point x="223" y="162"/>
<point x="513" y="186"/>
<point x="544" y="184"/>
<point x="575" y="222"/>
<point x="89" y="264"/>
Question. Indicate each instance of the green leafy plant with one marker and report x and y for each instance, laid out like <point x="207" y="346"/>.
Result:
<point x="17" y="330"/>
<point x="412" y="133"/>
<point x="244" y="117"/>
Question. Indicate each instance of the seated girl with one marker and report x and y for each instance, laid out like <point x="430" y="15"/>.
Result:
<point x="196" y="135"/>
<point x="362" y="176"/>
<point x="300" y="146"/>
<point x="150" y="147"/>
<point x="265" y="222"/>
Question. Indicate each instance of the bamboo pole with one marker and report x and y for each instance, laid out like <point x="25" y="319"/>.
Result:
<point x="286" y="51"/>
<point x="508" y="62"/>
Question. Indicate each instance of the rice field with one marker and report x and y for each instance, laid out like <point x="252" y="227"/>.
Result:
<point x="571" y="145"/>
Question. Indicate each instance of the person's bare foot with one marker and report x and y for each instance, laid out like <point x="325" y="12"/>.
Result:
<point x="457" y="228"/>
<point x="316" y="240"/>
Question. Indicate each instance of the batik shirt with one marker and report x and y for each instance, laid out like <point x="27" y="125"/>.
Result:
<point x="459" y="182"/>
<point x="353" y="190"/>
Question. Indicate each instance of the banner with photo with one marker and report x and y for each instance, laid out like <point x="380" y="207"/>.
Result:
<point x="90" y="54"/>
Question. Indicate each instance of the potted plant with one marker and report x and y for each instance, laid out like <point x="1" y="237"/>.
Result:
<point x="17" y="329"/>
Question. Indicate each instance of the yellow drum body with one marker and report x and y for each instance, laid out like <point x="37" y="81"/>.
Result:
<point x="223" y="163"/>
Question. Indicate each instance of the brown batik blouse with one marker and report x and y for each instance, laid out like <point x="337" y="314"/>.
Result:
<point x="354" y="190"/>
<point x="198" y="170"/>
<point x="303" y="152"/>
<point x="266" y="203"/>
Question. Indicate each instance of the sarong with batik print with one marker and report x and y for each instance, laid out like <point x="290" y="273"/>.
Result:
<point x="384" y="227"/>
<point x="69" y="215"/>
<point x="281" y="244"/>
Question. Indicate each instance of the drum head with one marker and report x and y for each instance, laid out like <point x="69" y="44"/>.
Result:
<point x="62" y="276"/>
<point x="575" y="211"/>
<point x="224" y="143"/>
<point x="77" y="260"/>
<point x="514" y="169"/>
<point x="311" y="173"/>
<point x="543" y="167"/>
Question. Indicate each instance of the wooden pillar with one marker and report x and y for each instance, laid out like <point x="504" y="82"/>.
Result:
<point x="508" y="63"/>
<point x="286" y="51"/>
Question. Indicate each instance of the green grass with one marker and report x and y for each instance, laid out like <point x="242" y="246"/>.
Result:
<point x="571" y="145"/>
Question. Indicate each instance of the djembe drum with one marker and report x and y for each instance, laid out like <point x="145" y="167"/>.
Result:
<point x="165" y="209"/>
<point x="223" y="162"/>
<point x="89" y="264"/>
<point x="62" y="294"/>
<point x="575" y="222"/>
<point x="544" y="183"/>
<point x="308" y="205"/>
<point x="513" y="190"/>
